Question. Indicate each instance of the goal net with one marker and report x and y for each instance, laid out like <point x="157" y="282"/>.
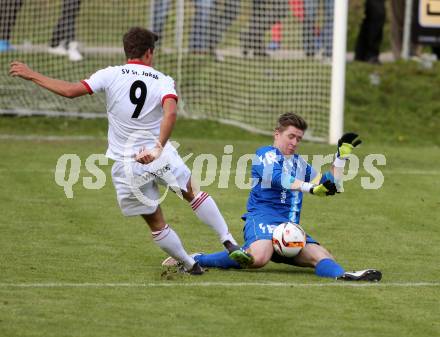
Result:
<point x="238" y="62"/>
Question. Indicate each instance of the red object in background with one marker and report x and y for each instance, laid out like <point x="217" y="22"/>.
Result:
<point x="297" y="8"/>
<point x="277" y="32"/>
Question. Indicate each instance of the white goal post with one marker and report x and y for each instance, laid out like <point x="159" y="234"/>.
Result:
<point x="340" y="19"/>
<point x="240" y="62"/>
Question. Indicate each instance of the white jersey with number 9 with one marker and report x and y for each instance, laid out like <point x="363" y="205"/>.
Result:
<point x="135" y="94"/>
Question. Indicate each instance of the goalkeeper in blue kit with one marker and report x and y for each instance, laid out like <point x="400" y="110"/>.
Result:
<point x="281" y="177"/>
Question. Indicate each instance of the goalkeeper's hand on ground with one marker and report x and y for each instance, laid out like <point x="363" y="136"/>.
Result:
<point x="346" y="144"/>
<point x="324" y="189"/>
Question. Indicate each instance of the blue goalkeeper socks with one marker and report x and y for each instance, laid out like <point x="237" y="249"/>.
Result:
<point x="216" y="260"/>
<point x="328" y="268"/>
<point x="324" y="268"/>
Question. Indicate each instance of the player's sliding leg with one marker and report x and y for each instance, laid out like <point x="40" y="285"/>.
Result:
<point x="317" y="257"/>
<point x="213" y="260"/>
<point x="169" y="241"/>
<point x="217" y="260"/>
<point x="261" y="251"/>
<point x="314" y="256"/>
<point x="362" y="275"/>
<point x="207" y="211"/>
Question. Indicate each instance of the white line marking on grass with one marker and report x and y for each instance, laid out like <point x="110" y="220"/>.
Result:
<point x="220" y="284"/>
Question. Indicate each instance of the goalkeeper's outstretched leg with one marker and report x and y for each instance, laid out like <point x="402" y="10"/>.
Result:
<point x="317" y="257"/>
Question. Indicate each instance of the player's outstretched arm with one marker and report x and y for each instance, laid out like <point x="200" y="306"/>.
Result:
<point x="59" y="87"/>
<point x="346" y="145"/>
<point x="279" y="179"/>
<point x="326" y="188"/>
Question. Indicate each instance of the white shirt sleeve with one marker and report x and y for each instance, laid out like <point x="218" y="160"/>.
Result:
<point x="168" y="89"/>
<point x="99" y="80"/>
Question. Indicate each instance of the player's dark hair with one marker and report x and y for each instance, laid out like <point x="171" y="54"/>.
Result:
<point x="137" y="41"/>
<point x="290" y="119"/>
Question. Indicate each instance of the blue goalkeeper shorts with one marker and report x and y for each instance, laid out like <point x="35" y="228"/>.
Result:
<point x="259" y="227"/>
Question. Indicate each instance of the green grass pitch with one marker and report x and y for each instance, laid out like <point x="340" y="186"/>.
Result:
<point x="77" y="267"/>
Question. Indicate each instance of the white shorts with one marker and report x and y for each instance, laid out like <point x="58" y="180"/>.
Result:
<point x="136" y="184"/>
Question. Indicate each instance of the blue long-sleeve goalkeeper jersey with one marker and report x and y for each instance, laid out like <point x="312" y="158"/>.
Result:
<point x="272" y="174"/>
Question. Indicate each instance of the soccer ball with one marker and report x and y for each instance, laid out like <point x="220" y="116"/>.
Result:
<point x="288" y="239"/>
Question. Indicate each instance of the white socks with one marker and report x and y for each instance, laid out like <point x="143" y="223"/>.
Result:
<point x="170" y="243"/>
<point x="207" y="211"/>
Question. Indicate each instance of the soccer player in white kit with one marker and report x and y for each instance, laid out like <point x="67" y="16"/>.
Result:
<point x="141" y="107"/>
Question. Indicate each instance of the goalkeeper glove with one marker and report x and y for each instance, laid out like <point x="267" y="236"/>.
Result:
<point x="326" y="188"/>
<point x="346" y="144"/>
